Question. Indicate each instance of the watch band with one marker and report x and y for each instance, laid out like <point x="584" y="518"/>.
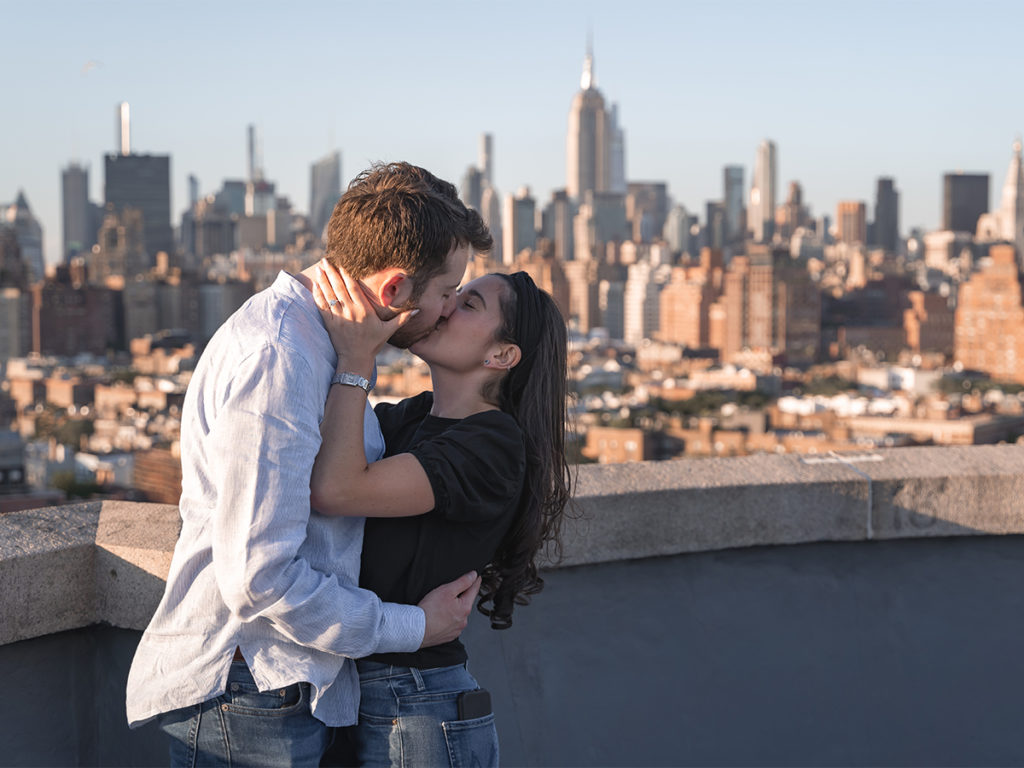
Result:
<point x="352" y="380"/>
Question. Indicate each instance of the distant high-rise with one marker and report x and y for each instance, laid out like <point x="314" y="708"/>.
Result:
<point x="616" y="152"/>
<point x="124" y="128"/>
<point x="558" y="226"/>
<point x="714" y="228"/>
<point x="647" y="209"/>
<point x="472" y="188"/>
<point x="29" y="233"/>
<point x="79" y="230"/>
<point x="120" y="251"/>
<point x="143" y="182"/>
<point x="520" y="231"/>
<point x="641" y="304"/>
<point x="677" y="229"/>
<point x="791" y="214"/>
<point x="732" y="197"/>
<point x="253" y="170"/>
<point x="887" y="215"/>
<point x="487" y="157"/>
<point x="851" y="222"/>
<point x="964" y="200"/>
<point x="761" y="213"/>
<point x="324" y="190"/>
<point x="685" y="308"/>
<point x="13" y="270"/>
<point x="989" y="329"/>
<point x="490" y="212"/>
<point x="588" y="141"/>
<point x="1007" y="222"/>
<point x="1011" y="208"/>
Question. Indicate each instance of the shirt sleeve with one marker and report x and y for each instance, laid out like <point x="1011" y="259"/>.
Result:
<point x="264" y="437"/>
<point x="475" y="467"/>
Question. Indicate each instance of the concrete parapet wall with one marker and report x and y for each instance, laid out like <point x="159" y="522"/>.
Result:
<point x="647" y="509"/>
<point x="678" y="630"/>
<point x="72" y="566"/>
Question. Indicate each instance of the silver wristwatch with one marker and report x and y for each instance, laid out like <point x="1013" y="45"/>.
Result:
<point x="352" y="380"/>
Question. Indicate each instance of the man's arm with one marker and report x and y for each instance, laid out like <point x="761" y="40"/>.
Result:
<point x="263" y="440"/>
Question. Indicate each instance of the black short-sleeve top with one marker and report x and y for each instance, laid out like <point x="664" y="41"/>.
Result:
<point x="475" y="466"/>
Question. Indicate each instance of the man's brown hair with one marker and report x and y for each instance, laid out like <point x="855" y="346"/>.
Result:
<point x="401" y="215"/>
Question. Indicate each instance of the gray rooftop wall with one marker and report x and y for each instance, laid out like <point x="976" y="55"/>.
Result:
<point x="767" y="611"/>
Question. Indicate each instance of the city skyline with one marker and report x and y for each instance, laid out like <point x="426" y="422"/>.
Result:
<point x="894" y="91"/>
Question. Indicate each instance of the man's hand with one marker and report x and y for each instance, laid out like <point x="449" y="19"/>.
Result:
<point x="447" y="609"/>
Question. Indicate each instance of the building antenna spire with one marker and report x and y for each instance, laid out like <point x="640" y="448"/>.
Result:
<point x="588" y="81"/>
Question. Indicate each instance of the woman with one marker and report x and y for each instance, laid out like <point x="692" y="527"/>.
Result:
<point x="475" y="478"/>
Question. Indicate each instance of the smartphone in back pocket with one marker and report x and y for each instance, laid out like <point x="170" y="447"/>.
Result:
<point x="474" y="704"/>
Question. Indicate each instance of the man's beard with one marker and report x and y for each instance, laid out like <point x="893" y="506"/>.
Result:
<point x="409" y="334"/>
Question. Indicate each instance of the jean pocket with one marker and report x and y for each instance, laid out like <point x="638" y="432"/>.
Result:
<point x="244" y="698"/>
<point x="472" y="743"/>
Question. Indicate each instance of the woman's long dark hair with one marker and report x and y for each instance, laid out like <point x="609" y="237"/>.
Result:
<point x="534" y="393"/>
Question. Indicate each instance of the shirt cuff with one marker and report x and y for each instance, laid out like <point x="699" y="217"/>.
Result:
<point x="402" y="628"/>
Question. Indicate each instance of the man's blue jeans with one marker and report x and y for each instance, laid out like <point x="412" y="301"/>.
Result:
<point x="409" y="717"/>
<point x="244" y="727"/>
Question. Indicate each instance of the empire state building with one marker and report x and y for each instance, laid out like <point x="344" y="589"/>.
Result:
<point x="589" y="139"/>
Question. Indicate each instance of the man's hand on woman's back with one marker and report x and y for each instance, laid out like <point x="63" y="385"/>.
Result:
<point x="447" y="609"/>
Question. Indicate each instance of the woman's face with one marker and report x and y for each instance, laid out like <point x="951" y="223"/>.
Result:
<point x="467" y="337"/>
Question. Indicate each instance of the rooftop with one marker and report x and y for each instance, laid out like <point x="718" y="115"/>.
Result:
<point x="825" y="610"/>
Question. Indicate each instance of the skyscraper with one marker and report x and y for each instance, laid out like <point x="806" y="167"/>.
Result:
<point x="520" y="231"/>
<point x="558" y="227"/>
<point x="732" y="197"/>
<point x="490" y="212"/>
<point x="887" y="221"/>
<point x="616" y="152"/>
<point x="964" y="200"/>
<point x="472" y="189"/>
<point x="989" y="330"/>
<point x="1007" y="223"/>
<point x="29" y="234"/>
<point x="761" y="213"/>
<point x="143" y="182"/>
<point x="79" y="233"/>
<point x="487" y="157"/>
<point x="647" y="209"/>
<point x="677" y="229"/>
<point x="588" y="141"/>
<point x="851" y="222"/>
<point x="324" y="190"/>
<point x="1011" y="208"/>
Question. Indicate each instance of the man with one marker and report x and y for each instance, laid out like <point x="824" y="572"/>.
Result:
<point x="246" y="661"/>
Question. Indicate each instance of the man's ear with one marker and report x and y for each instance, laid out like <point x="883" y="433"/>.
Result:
<point x="396" y="290"/>
<point x="506" y="356"/>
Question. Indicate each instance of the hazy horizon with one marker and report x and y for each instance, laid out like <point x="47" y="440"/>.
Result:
<point x="910" y="90"/>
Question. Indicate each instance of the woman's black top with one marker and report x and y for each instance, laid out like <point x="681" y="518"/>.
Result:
<point x="476" y="467"/>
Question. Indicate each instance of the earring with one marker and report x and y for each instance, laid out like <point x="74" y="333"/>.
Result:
<point x="487" y="361"/>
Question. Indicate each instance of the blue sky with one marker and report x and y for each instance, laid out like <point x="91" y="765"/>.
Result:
<point x="848" y="91"/>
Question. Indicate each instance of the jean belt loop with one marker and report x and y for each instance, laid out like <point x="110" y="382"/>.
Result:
<point x="416" y="676"/>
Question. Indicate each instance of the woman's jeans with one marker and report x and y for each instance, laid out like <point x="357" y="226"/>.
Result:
<point x="409" y="717"/>
<point x="243" y="727"/>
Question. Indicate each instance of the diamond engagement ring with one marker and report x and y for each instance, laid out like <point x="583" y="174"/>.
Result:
<point x="332" y="302"/>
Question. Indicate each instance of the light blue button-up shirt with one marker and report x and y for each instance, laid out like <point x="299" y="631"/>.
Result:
<point x="252" y="568"/>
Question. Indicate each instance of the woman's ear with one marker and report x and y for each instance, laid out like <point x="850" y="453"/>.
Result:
<point x="505" y="357"/>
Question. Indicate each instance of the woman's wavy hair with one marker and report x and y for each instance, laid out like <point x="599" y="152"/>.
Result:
<point x="534" y="393"/>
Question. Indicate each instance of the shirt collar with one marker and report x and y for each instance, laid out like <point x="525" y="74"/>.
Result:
<point x="288" y="285"/>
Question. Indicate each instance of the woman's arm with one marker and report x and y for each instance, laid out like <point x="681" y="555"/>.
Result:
<point x="343" y="482"/>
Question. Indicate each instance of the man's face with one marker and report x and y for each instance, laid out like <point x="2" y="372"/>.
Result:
<point x="436" y="301"/>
